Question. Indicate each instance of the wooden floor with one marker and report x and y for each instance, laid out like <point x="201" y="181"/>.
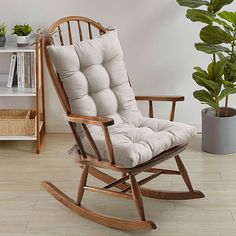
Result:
<point x="25" y="209"/>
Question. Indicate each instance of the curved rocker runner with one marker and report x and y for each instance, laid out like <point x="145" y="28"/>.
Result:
<point x="90" y="79"/>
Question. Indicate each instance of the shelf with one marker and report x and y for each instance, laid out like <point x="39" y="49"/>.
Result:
<point x="12" y="47"/>
<point x="21" y="94"/>
<point x="14" y="138"/>
<point x="14" y="92"/>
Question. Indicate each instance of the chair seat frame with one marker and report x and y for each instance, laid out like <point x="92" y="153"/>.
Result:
<point x="92" y="164"/>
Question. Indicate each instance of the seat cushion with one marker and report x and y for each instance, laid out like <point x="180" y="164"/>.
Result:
<point x="137" y="142"/>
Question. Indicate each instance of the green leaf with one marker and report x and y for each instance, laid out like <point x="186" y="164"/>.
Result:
<point x="192" y="3"/>
<point x="211" y="86"/>
<point x="215" y="35"/>
<point x="210" y="49"/>
<point x="205" y="74"/>
<point x="218" y="69"/>
<point x="231" y="66"/>
<point x="229" y="16"/>
<point x="223" y="23"/>
<point x="218" y="4"/>
<point x="220" y="55"/>
<point x="227" y="83"/>
<point x="197" y="15"/>
<point x="205" y="97"/>
<point x="232" y="79"/>
<point x="226" y="92"/>
<point x="202" y="73"/>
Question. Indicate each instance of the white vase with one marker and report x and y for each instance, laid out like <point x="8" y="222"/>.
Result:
<point x="23" y="40"/>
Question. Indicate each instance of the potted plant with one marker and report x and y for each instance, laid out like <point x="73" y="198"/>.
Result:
<point x="218" y="39"/>
<point x="22" y="32"/>
<point x="3" y="31"/>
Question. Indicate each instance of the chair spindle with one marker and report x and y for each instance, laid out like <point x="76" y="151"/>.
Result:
<point x="91" y="142"/>
<point x="60" y="35"/>
<point x="109" y="145"/>
<point x="80" y="31"/>
<point x="69" y="32"/>
<point x="90" y="31"/>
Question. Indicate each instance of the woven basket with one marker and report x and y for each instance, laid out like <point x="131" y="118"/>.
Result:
<point x="17" y="122"/>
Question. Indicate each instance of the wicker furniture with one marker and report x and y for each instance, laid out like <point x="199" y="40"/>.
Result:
<point x="14" y="122"/>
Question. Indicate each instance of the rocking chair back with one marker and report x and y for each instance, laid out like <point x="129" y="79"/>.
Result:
<point x="67" y="31"/>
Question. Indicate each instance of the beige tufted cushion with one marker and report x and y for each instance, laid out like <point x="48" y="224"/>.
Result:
<point x="96" y="83"/>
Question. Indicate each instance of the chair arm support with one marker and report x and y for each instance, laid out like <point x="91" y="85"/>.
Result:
<point x="93" y="120"/>
<point x="160" y="98"/>
<point x="99" y="121"/>
<point x="151" y="99"/>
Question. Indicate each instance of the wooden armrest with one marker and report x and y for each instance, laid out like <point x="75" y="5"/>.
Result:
<point x="151" y="99"/>
<point x="93" y="120"/>
<point x="160" y="98"/>
<point x="99" y="121"/>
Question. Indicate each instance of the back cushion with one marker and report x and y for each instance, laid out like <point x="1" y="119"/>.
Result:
<point x="95" y="79"/>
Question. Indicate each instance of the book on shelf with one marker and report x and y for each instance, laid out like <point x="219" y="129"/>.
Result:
<point x="27" y="70"/>
<point x="11" y="71"/>
<point x="22" y="70"/>
<point x="18" y="70"/>
<point x="32" y="70"/>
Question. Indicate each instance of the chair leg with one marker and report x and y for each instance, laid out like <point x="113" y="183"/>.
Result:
<point x="184" y="173"/>
<point x="137" y="197"/>
<point x="83" y="181"/>
<point x="123" y="174"/>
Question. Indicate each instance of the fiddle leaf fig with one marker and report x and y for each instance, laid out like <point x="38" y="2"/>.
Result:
<point x="211" y="48"/>
<point x="203" y="72"/>
<point x="227" y="83"/>
<point x="227" y="27"/>
<point x="219" y="80"/>
<point x="211" y="86"/>
<point x="226" y="92"/>
<point x="229" y="16"/>
<point x="218" y="69"/>
<point x="232" y="67"/>
<point x="218" y="4"/>
<point x="215" y="35"/>
<point x="192" y="3"/>
<point x="206" y="98"/>
<point x="199" y="15"/>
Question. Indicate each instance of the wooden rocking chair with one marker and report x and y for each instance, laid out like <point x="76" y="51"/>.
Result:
<point x="108" y="155"/>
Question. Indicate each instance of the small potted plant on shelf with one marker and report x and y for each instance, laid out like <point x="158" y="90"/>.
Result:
<point x="218" y="39"/>
<point x="3" y="31"/>
<point x="22" y="32"/>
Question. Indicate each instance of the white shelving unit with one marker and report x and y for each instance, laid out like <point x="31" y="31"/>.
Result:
<point x="32" y="93"/>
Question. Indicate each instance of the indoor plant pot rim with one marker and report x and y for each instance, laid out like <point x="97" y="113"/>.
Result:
<point x="209" y="111"/>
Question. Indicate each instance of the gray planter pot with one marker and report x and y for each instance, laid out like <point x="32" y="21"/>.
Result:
<point x="2" y="41"/>
<point x="218" y="133"/>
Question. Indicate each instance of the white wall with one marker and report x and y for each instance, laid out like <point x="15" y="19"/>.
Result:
<point x="156" y="37"/>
